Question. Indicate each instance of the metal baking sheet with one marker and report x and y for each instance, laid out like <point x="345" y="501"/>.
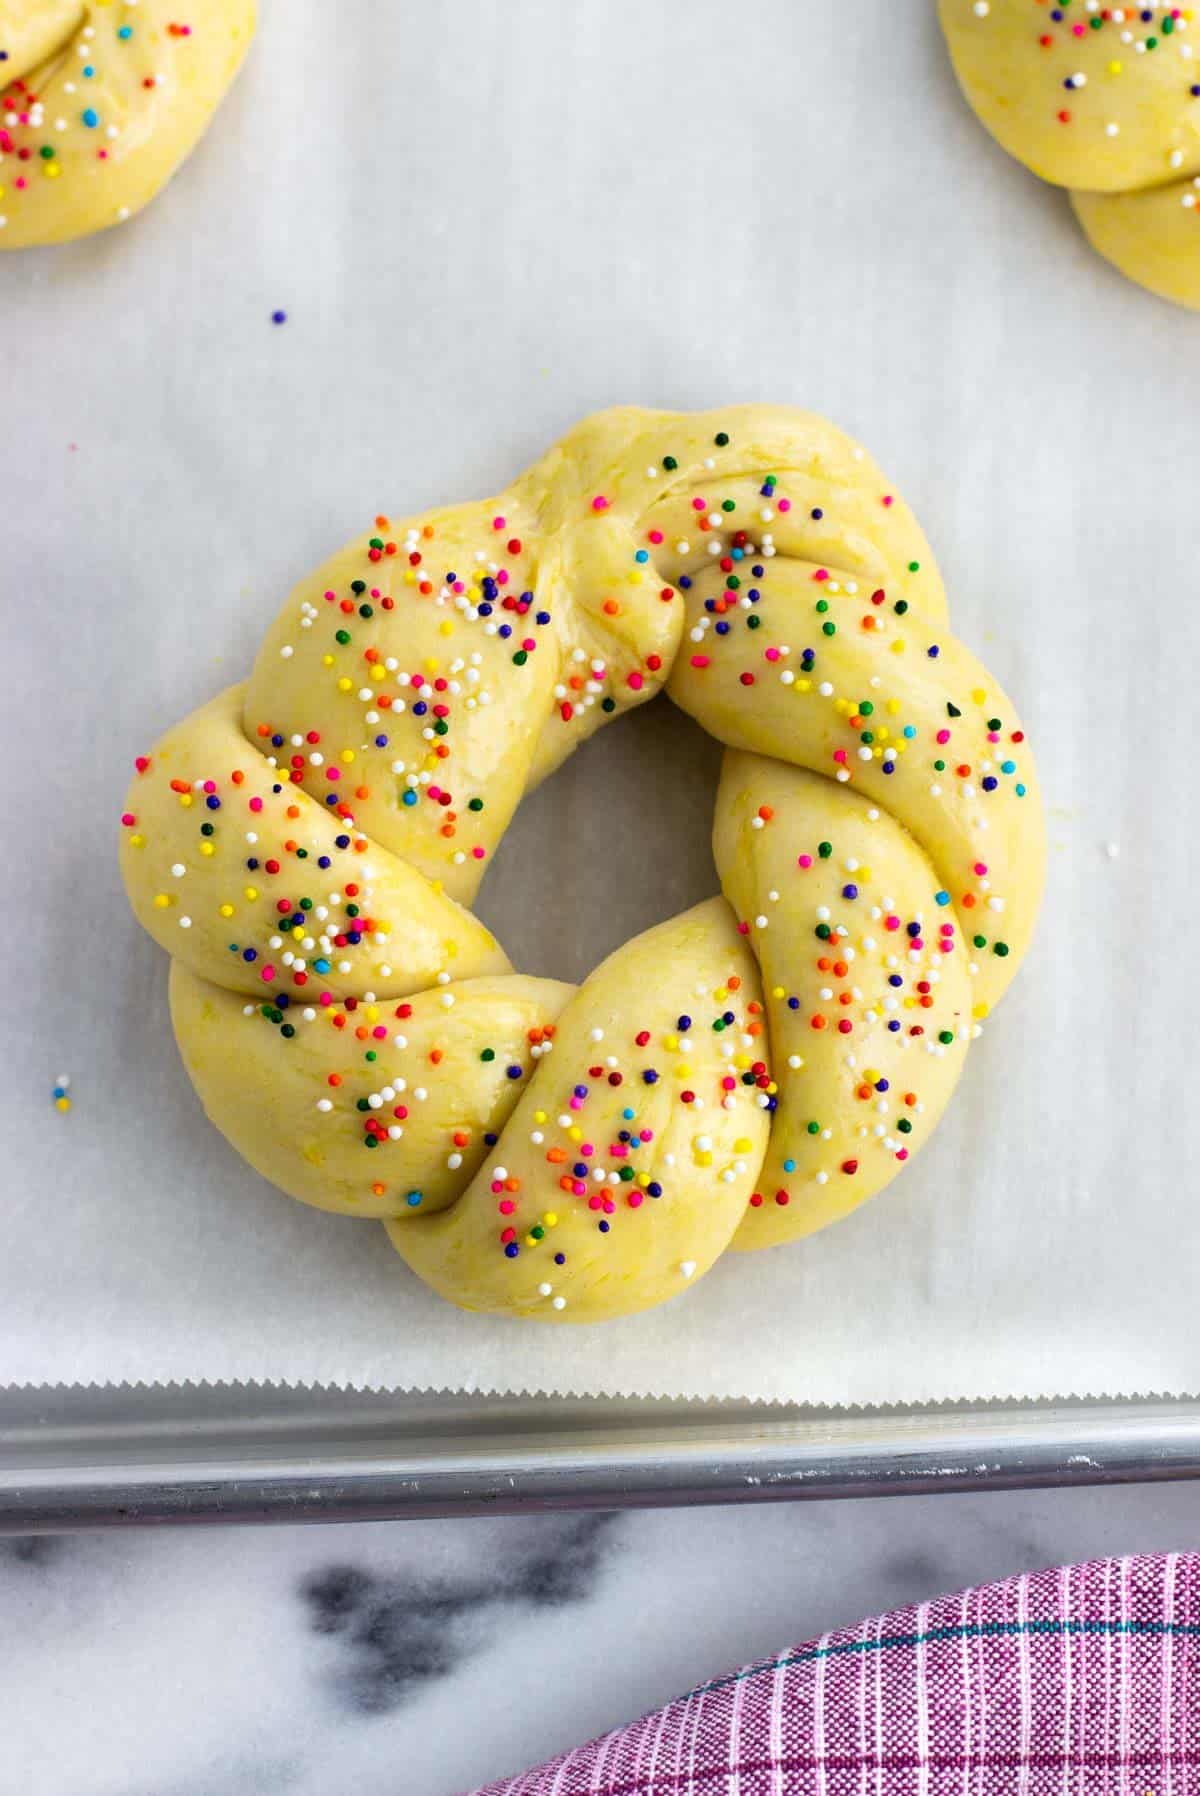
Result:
<point x="75" y="1458"/>
<point x="482" y="222"/>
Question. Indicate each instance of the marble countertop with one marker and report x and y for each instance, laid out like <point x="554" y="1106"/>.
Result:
<point x="420" y="1658"/>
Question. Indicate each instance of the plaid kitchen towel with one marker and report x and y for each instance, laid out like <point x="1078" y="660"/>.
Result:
<point x="1079" y="1682"/>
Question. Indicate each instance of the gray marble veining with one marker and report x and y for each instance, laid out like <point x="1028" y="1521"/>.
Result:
<point x="420" y="1658"/>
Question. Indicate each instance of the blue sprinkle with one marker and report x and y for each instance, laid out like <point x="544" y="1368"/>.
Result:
<point x="414" y="1198"/>
<point x="515" y="1072"/>
<point x="1020" y="790"/>
<point x="278" y="317"/>
<point x="249" y="953"/>
<point x="642" y="555"/>
<point x="409" y="797"/>
<point x="894" y="1027"/>
<point x="650" y="1077"/>
<point x="604" y="1228"/>
<point x="124" y="32"/>
<point x="850" y="891"/>
<point x="511" y="1251"/>
<point x="381" y="741"/>
<point x="1008" y="766"/>
<point x="91" y="117"/>
<point x="560" y="1259"/>
<point x="789" y="1166"/>
<point x="910" y="731"/>
<point x="320" y="966"/>
<point x="941" y="897"/>
<point x="213" y="802"/>
<point x="990" y="783"/>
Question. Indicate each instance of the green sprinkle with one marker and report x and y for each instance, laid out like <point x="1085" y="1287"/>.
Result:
<point x="952" y="710"/>
<point x="866" y="708"/>
<point x="475" y="804"/>
<point x="1000" y="948"/>
<point x="904" y="1126"/>
<point x="829" y="629"/>
<point x="939" y="766"/>
<point x="900" y="607"/>
<point x="980" y="941"/>
<point x="488" y="1054"/>
<point x="822" y="607"/>
<point x="945" y="1036"/>
<point x="752" y="623"/>
<point x="376" y="542"/>
<point x="721" y="439"/>
<point x="608" y="705"/>
<point x="824" y="849"/>
<point x="358" y="586"/>
<point x="371" y="1054"/>
<point x="914" y="567"/>
<point x="728" y="505"/>
<point x="362" y="1104"/>
<point x="520" y="658"/>
<point x="814" y="1128"/>
<point x="823" y="932"/>
<point x="670" y="464"/>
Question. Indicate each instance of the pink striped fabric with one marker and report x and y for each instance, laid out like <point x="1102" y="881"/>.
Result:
<point x="1078" y="1682"/>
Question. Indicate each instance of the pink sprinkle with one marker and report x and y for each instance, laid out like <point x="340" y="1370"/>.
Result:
<point x="902" y="1153"/>
<point x="609" y="1206"/>
<point x="699" y="505"/>
<point x="916" y="941"/>
<point x="379" y="1032"/>
<point x="268" y="973"/>
<point x="576" y="1103"/>
<point x="839" y="755"/>
<point x="210" y="785"/>
<point x="587" y="1149"/>
<point x="728" y="1084"/>
<point x="502" y="577"/>
<point x="507" y="1207"/>
<point x="784" y="505"/>
<point x="656" y="536"/>
<point x="528" y="644"/>
<point x="636" y="681"/>
<point x="946" y="945"/>
<point x="326" y="999"/>
<point x="822" y="573"/>
<point x="256" y="804"/>
<point x="805" y="861"/>
<point x="593" y="1201"/>
<point x="333" y="773"/>
<point x="497" y="523"/>
<point x="887" y="498"/>
<point x="772" y="654"/>
<point x="981" y="868"/>
<point x="635" y="1200"/>
<point x="497" y="1185"/>
<point x="478" y="853"/>
<point x="142" y="762"/>
<point x="891" y="922"/>
<point x="946" y="929"/>
<point x="329" y="597"/>
<point x="943" y="735"/>
<point x="128" y="819"/>
<point x="599" y="503"/>
<point x="699" y="661"/>
<point x="743" y="929"/>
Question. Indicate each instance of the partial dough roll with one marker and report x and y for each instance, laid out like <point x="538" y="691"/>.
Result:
<point x="101" y="101"/>
<point x="1103" y="100"/>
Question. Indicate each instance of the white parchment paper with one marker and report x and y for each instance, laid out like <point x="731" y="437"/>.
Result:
<point x="484" y="220"/>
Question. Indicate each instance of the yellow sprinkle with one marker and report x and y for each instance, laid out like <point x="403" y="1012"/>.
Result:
<point x="772" y="1087"/>
<point x="871" y="1074"/>
<point x="742" y="1145"/>
<point x="446" y="628"/>
<point x="252" y="892"/>
<point x="410" y="579"/>
<point x="432" y="664"/>
<point x="551" y="1219"/>
<point x="863" y="875"/>
<point x="383" y="929"/>
<point x="803" y="686"/>
<point x="185" y="799"/>
<point x="979" y="1012"/>
<point x="326" y="660"/>
<point x="344" y="685"/>
<point x="893" y="706"/>
<point x="226" y="910"/>
<point x="63" y="1104"/>
<point x="779" y="991"/>
<point x="372" y="1013"/>
<point x="347" y="755"/>
<point x="575" y="1133"/>
<point x="437" y="886"/>
<point x="683" y="1070"/>
<point x="297" y="932"/>
<point x="898" y="646"/>
<point x="51" y="170"/>
<point x="1116" y="68"/>
<point x="531" y="1240"/>
<point x="671" y="1042"/>
<point x="539" y="1116"/>
<point x="137" y="841"/>
<point x="635" y="578"/>
<point x="978" y="694"/>
<point x="161" y="900"/>
<point x="643" y="1179"/>
<point x="207" y="848"/>
<point x="843" y="706"/>
<point x="703" y="1159"/>
<point x="742" y="1061"/>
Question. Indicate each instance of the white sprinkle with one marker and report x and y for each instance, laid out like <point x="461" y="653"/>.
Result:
<point x="687" y="1267"/>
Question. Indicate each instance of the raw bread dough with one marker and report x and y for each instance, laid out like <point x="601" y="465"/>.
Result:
<point x="1104" y="101"/>
<point x="100" y="102"/>
<point x="305" y="845"/>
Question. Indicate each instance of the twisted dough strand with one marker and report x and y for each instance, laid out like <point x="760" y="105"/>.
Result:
<point x="101" y="101"/>
<point x="1104" y="101"/>
<point x="305" y="847"/>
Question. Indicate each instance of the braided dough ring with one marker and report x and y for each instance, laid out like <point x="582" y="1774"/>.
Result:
<point x="1103" y="100"/>
<point x="100" y="102"/>
<point x="305" y="847"/>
